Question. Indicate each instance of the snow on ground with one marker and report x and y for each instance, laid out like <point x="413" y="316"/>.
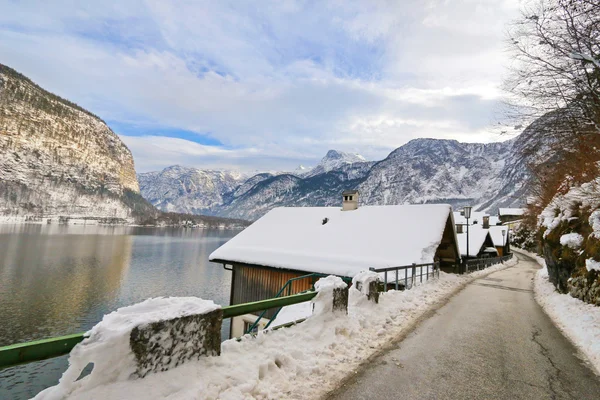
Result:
<point x="304" y="361"/>
<point x="579" y="321"/>
<point x="107" y="343"/>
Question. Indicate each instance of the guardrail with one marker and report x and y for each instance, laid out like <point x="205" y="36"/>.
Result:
<point x="483" y="263"/>
<point x="408" y="281"/>
<point x="287" y="287"/>
<point x="23" y="353"/>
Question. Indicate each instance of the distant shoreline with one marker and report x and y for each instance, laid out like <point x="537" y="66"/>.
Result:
<point x="99" y="221"/>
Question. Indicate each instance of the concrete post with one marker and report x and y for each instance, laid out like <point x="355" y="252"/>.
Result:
<point x="367" y="282"/>
<point x="332" y="296"/>
<point x="162" y="345"/>
<point x="340" y="300"/>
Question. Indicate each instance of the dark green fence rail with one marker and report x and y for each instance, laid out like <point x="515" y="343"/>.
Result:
<point x="38" y="350"/>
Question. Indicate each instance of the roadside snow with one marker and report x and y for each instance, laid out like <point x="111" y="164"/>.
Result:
<point x="107" y="343"/>
<point x="304" y="361"/>
<point x="579" y="321"/>
<point x="572" y="240"/>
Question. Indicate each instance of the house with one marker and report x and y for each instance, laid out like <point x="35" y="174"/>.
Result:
<point x="477" y="218"/>
<point x="289" y="243"/>
<point x="500" y="238"/>
<point x="510" y="214"/>
<point x="481" y="244"/>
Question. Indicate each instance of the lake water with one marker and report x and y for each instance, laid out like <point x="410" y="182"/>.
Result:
<point x="57" y="280"/>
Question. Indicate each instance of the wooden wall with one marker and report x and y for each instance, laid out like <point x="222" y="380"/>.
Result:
<point x="258" y="283"/>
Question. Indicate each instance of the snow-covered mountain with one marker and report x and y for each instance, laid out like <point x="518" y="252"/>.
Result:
<point x="333" y="160"/>
<point x="423" y="170"/>
<point x="487" y="176"/>
<point x="191" y="190"/>
<point x="57" y="159"/>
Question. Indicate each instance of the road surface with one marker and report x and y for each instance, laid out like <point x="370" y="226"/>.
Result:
<point x="490" y="341"/>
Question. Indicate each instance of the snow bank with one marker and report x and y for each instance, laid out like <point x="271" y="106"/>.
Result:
<point x="302" y="362"/>
<point x="107" y="344"/>
<point x="572" y="240"/>
<point x="579" y="321"/>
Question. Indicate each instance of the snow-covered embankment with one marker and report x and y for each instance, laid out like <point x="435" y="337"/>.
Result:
<point x="301" y="362"/>
<point x="579" y="321"/>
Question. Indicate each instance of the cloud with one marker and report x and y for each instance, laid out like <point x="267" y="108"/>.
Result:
<point x="268" y="87"/>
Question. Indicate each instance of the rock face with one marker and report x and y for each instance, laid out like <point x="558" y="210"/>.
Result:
<point x="57" y="158"/>
<point x="188" y="190"/>
<point x="334" y="160"/>
<point x="586" y="288"/>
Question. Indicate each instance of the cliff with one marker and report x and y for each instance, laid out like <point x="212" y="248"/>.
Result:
<point x="56" y="158"/>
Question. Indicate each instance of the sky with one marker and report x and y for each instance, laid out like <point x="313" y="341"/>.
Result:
<point x="268" y="85"/>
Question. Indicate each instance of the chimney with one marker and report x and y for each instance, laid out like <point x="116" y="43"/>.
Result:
<point x="486" y="222"/>
<point x="459" y="228"/>
<point x="349" y="200"/>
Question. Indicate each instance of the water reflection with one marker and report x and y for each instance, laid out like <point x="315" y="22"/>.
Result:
<point x="56" y="280"/>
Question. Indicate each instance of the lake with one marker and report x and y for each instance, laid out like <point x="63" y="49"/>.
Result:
<point x="57" y="280"/>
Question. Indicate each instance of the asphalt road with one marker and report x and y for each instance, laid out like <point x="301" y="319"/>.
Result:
<point x="490" y="341"/>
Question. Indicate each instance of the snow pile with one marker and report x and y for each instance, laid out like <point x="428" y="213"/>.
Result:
<point x="572" y="240"/>
<point x="293" y="313"/>
<point x="579" y="321"/>
<point x="107" y="344"/>
<point x="591" y="264"/>
<point x="304" y="361"/>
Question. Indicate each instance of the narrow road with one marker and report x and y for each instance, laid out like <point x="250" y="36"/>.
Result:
<point x="490" y="341"/>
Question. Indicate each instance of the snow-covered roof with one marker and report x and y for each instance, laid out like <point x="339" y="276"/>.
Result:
<point x="511" y="211"/>
<point x="476" y="216"/>
<point x="477" y="236"/>
<point x="496" y="234"/>
<point x="331" y="241"/>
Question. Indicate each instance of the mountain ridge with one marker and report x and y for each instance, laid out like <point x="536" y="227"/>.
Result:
<point x="422" y="170"/>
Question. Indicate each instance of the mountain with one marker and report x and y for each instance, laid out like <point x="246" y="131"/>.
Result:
<point x="435" y="170"/>
<point x="189" y="190"/>
<point x="333" y="160"/>
<point x="486" y="176"/>
<point x="58" y="159"/>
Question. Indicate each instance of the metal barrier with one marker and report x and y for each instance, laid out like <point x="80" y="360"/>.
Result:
<point x="483" y="263"/>
<point x="38" y="350"/>
<point x="287" y="286"/>
<point x="408" y="282"/>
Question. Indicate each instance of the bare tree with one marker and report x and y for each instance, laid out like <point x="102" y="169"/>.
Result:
<point x="556" y="73"/>
<point x="556" y="64"/>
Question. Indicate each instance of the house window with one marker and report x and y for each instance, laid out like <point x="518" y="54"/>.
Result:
<point x="350" y="198"/>
<point x="345" y="198"/>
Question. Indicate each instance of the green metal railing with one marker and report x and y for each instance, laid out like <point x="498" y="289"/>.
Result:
<point x="38" y="350"/>
<point x="287" y="286"/>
